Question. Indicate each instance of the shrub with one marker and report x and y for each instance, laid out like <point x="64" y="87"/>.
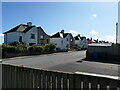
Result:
<point x="9" y="49"/>
<point x="83" y="48"/>
<point x="21" y="48"/>
<point x="76" y="48"/>
<point x="14" y="49"/>
<point x="33" y="49"/>
<point x="49" y="48"/>
<point x="14" y="43"/>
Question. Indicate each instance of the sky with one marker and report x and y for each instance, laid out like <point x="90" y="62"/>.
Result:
<point x="90" y="19"/>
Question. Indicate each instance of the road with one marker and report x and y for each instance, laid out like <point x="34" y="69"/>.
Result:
<point x="67" y="62"/>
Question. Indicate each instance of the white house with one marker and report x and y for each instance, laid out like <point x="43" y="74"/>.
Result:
<point x="118" y="26"/>
<point x="28" y="34"/>
<point x="62" y="40"/>
<point x="81" y="41"/>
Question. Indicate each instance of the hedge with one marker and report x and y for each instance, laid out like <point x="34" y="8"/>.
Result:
<point x="22" y="48"/>
<point x="49" y="48"/>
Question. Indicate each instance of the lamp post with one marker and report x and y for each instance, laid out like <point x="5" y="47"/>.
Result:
<point x="1" y="74"/>
<point x="0" y="67"/>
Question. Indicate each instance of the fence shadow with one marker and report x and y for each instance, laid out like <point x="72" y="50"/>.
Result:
<point x="102" y="61"/>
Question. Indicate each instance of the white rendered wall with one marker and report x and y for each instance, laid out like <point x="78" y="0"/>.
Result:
<point x="12" y="37"/>
<point x="58" y="43"/>
<point x="82" y="43"/>
<point x="27" y="36"/>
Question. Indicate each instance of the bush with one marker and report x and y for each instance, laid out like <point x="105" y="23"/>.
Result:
<point x="49" y="48"/>
<point x="76" y="48"/>
<point x="14" y="49"/>
<point x="83" y="48"/>
<point x="21" y="48"/>
<point x="37" y="49"/>
<point x="9" y="49"/>
<point x="14" y="43"/>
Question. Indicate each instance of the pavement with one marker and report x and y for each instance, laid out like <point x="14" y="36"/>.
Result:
<point x="67" y="62"/>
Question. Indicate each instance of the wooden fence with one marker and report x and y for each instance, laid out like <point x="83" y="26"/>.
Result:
<point x="104" y="53"/>
<point x="24" y="77"/>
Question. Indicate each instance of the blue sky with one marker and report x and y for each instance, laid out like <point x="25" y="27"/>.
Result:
<point x="91" y="19"/>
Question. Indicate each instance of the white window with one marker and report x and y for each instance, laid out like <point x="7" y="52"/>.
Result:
<point x="41" y="37"/>
<point x="32" y="36"/>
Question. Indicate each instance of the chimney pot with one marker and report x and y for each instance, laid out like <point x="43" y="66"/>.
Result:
<point x="29" y="23"/>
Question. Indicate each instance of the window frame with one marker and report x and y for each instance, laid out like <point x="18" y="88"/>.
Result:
<point x="32" y="36"/>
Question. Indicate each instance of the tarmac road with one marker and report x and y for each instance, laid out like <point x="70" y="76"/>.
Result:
<point x="66" y="62"/>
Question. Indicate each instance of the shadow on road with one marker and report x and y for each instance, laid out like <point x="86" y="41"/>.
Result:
<point x="102" y="61"/>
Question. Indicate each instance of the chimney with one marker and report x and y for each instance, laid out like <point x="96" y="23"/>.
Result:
<point x="29" y="23"/>
<point x="78" y="35"/>
<point x="91" y="39"/>
<point x="62" y="31"/>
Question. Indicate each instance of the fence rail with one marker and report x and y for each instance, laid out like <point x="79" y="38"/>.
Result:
<point x="24" y="77"/>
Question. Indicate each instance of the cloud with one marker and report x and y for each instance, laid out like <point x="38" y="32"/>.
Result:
<point x="1" y="35"/>
<point x="93" y="32"/>
<point x="110" y="38"/>
<point x="93" y="16"/>
<point x="73" y="32"/>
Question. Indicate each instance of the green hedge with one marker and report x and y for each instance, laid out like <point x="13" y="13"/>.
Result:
<point x="37" y="49"/>
<point x="49" y="48"/>
<point x="77" y="48"/>
<point x="22" y="48"/>
<point x="14" y="49"/>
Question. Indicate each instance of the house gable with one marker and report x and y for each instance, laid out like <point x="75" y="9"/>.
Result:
<point x="20" y="28"/>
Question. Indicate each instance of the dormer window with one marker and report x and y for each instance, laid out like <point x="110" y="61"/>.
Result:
<point x="32" y="36"/>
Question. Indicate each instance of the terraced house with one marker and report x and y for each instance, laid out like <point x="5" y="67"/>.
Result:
<point x="28" y="34"/>
<point x="62" y="40"/>
<point x="81" y="41"/>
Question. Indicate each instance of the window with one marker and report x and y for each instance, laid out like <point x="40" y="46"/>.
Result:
<point x="62" y="42"/>
<point x="32" y="36"/>
<point x="41" y="37"/>
<point x="47" y="41"/>
<point x="67" y="39"/>
<point x="20" y="38"/>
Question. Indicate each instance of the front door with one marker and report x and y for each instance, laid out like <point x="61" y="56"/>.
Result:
<point x="20" y="38"/>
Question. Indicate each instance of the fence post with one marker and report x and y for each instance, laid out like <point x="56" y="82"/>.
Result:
<point x="0" y="75"/>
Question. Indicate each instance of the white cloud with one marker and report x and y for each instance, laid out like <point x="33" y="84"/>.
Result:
<point x="73" y="32"/>
<point x="110" y="38"/>
<point x="93" y="32"/>
<point x="1" y="35"/>
<point x="93" y="16"/>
